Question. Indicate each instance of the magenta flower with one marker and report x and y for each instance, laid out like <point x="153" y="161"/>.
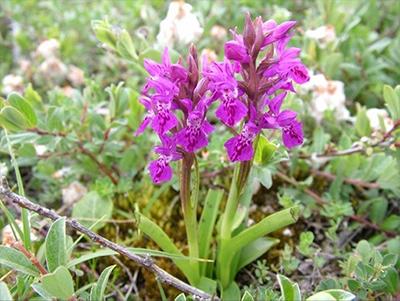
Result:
<point x="286" y="67"/>
<point x="274" y="118"/>
<point x="224" y="86"/>
<point x="292" y="134"/>
<point x="195" y="135"/>
<point x="274" y="32"/>
<point x="160" y="116"/>
<point x="240" y="148"/>
<point x="236" y="50"/>
<point x="174" y="72"/>
<point x="160" y="170"/>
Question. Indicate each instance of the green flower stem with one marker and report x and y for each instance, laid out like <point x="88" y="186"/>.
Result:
<point x="189" y="208"/>
<point x="240" y="176"/>
<point x="231" y="205"/>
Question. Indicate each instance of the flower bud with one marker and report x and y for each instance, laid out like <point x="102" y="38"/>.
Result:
<point x="259" y="37"/>
<point x="249" y="33"/>
<point x="236" y="52"/>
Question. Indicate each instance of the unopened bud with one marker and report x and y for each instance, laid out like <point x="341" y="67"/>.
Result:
<point x="249" y="33"/>
<point x="259" y="38"/>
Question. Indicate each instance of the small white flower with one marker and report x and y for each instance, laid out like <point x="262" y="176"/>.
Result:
<point x="287" y="232"/>
<point x="180" y="25"/>
<point x="376" y="116"/>
<point x="75" y="76"/>
<point x="61" y="172"/>
<point x="327" y="95"/>
<point x="218" y="32"/>
<point x="53" y="69"/>
<point x="68" y="91"/>
<point x="48" y="48"/>
<point x="12" y="83"/>
<point x="73" y="193"/>
<point x="24" y="65"/>
<point x="40" y="149"/>
<point x="324" y="35"/>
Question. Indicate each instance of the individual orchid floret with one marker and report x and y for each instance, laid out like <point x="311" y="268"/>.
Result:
<point x="160" y="170"/>
<point x="224" y="86"/>
<point x="159" y="115"/>
<point x="286" y="67"/>
<point x="274" y="118"/>
<point x="195" y="135"/>
<point x="274" y="32"/>
<point x="174" y="72"/>
<point x="236" y="50"/>
<point x="240" y="147"/>
<point x="292" y="134"/>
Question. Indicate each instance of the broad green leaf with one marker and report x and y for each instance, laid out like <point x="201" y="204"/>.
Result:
<point x="263" y="174"/>
<point x="151" y="54"/>
<point x="125" y="46"/>
<point x="289" y="289"/>
<point x="12" y="119"/>
<point x="320" y="139"/>
<point x="104" y="33"/>
<point x="232" y="292"/>
<point x="180" y="297"/>
<point x="379" y="45"/>
<point x="59" y="284"/>
<point x="389" y="260"/>
<point x="89" y="256"/>
<point x="378" y="210"/>
<point x="32" y="96"/>
<point x="332" y="295"/>
<point x="391" y="279"/>
<point x="247" y="296"/>
<point x="392" y="100"/>
<point x="97" y="293"/>
<point x="364" y="249"/>
<point x="164" y="242"/>
<point x="207" y="284"/>
<point x="56" y="247"/>
<point x="254" y="250"/>
<point x="14" y="259"/>
<point x="265" y="150"/>
<point x="91" y="208"/>
<point x="207" y="220"/>
<point x="267" y="225"/>
<point x="24" y="107"/>
<point x="321" y="296"/>
<point x="38" y="288"/>
<point x="4" y="292"/>
<point x="362" y="124"/>
<point x="392" y="222"/>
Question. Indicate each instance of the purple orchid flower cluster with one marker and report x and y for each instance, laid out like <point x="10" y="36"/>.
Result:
<point x="249" y="86"/>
